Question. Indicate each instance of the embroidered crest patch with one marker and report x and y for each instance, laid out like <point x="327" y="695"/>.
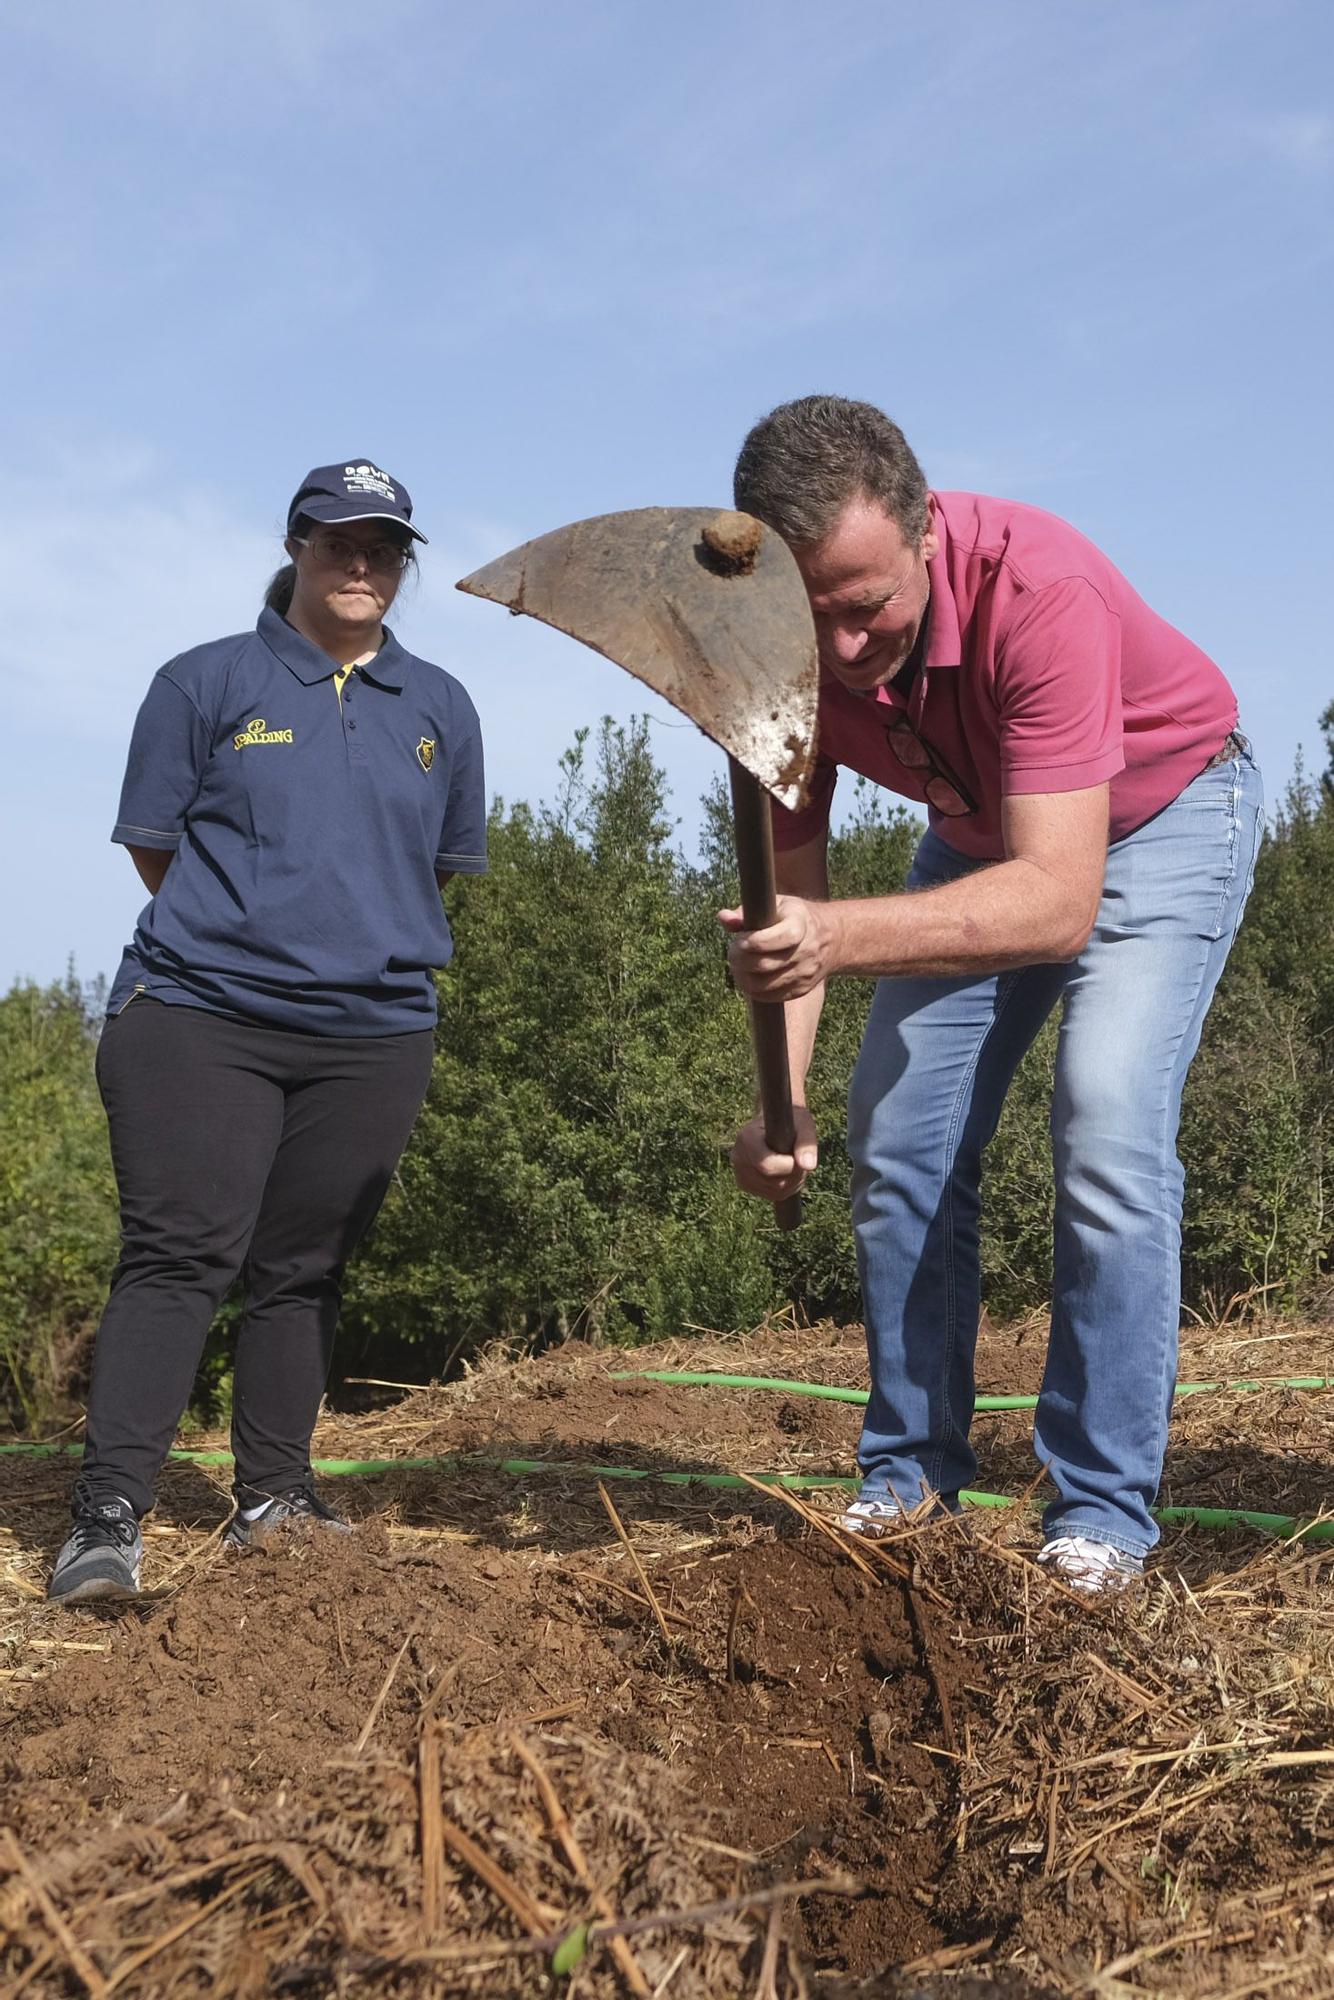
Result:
<point x="426" y="752"/>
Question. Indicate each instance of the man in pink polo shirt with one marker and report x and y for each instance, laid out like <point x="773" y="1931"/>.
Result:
<point x="1093" y="819"/>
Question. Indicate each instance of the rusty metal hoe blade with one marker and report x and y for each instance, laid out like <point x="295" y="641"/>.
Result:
<point x="707" y="609"/>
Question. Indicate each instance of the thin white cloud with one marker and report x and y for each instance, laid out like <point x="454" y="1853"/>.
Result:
<point x="1303" y="140"/>
<point x="160" y="51"/>
<point x="152" y="569"/>
<point x="115" y="589"/>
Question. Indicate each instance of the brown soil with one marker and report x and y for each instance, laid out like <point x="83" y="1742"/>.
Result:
<point x="264" y="1778"/>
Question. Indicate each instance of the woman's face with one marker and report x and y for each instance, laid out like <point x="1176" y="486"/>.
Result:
<point x="347" y="575"/>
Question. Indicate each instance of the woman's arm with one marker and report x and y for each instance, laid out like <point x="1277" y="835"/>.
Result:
<point x="152" y="863"/>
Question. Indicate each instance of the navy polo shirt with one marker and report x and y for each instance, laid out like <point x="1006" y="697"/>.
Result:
<point x="306" y="829"/>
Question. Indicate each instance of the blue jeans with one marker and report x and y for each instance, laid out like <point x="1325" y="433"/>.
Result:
<point x="938" y="1057"/>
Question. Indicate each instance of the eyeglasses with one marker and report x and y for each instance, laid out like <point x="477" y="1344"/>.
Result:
<point x="340" y="550"/>
<point x="943" y="790"/>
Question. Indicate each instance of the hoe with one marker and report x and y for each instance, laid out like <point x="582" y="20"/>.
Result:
<point x="709" y="610"/>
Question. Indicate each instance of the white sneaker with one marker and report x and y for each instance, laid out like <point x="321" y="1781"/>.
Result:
<point x="870" y="1517"/>
<point x="1097" y="1569"/>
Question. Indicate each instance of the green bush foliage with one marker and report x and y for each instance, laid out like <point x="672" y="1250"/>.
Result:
<point x="57" y="1197"/>
<point x="569" y="1175"/>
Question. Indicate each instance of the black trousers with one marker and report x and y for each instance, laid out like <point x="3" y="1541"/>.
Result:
<point x="237" y="1149"/>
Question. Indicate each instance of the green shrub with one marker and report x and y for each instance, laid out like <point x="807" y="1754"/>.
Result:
<point x="57" y="1197"/>
<point x="568" y="1174"/>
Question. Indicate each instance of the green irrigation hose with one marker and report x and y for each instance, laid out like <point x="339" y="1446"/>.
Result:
<point x="830" y="1393"/>
<point x="1286" y="1526"/>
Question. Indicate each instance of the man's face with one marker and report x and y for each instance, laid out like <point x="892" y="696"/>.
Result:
<point x="869" y="590"/>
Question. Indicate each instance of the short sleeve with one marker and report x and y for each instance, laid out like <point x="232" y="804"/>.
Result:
<point x="169" y="748"/>
<point x="1058" y="691"/>
<point x="463" y="835"/>
<point x="798" y="826"/>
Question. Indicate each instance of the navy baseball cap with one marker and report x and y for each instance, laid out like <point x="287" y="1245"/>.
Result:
<point x="356" y="491"/>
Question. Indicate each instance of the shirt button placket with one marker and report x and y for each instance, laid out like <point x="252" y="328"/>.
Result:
<point x="356" y="755"/>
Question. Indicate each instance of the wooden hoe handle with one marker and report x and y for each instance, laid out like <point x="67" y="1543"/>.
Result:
<point x="768" y="1024"/>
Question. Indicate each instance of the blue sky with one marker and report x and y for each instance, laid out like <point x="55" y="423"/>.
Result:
<point x="546" y="261"/>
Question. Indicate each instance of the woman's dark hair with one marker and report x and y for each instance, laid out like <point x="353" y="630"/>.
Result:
<point x="282" y="584"/>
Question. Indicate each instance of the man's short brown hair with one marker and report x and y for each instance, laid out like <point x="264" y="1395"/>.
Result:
<point x="804" y="463"/>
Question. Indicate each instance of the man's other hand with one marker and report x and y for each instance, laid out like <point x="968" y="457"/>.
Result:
<point x="774" y="1176"/>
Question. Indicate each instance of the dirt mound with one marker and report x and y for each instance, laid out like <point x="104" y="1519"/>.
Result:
<point x="262" y="1762"/>
<point x="259" y="1741"/>
<point x="496" y="1743"/>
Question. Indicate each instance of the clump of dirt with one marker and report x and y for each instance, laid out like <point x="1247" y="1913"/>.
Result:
<point x="809" y="1709"/>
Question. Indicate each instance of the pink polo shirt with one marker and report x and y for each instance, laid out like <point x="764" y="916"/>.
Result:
<point x="1044" y="672"/>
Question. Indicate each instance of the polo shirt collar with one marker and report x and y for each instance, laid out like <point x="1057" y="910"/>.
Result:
<point x="944" y="644"/>
<point x="389" y="668"/>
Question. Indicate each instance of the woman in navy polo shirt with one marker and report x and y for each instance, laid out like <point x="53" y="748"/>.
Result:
<point x="295" y="799"/>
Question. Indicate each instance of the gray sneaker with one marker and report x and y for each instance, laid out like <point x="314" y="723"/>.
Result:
<point x="286" y="1510"/>
<point x="101" y="1557"/>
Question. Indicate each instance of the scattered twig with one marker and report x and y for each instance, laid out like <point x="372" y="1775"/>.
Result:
<point x="23" y="1583"/>
<point x="543" y="1943"/>
<point x="740" y="1596"/>
<point x="813" y="1520"/>
<point x="68" y="1646"/>
<point x="1148" y="1703"/>
<point x="381" y="1698"/>
<point x="921" y="1630"/>
<point x="193" y="1558"/>
<point x="949" y="1956"/>
<point x="755" y="1899"/>
<point x="196" y="1917"/>
<point x="432" y="1840"/>
<point x="671" y="1972"/>
<point x="1053" y="1805"/>
<point x="78" y="1958"/>
<point x="533" y="1915"/>
<point x="38" y="1963"/>
<point x="626" y="1962"/>
<point x="767" y="1985"/>
<point x="1257" y="1983"/>
<point x="1206" y="1933"/>
<point x="556" y="1714"/>
<point x="624" y="1590"/>
<point x="338" y="1634"/>
<point x="640" y="1571"/>
<point x="377" y="1382"/>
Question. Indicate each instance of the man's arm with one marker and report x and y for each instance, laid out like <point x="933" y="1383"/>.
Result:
<point x="804" y="872"/>
<point x="1036" y="907"/>
<point x="152" y="864"/>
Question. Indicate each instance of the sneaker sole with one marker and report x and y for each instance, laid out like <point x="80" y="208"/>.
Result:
<point x="103" y="1587"/>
